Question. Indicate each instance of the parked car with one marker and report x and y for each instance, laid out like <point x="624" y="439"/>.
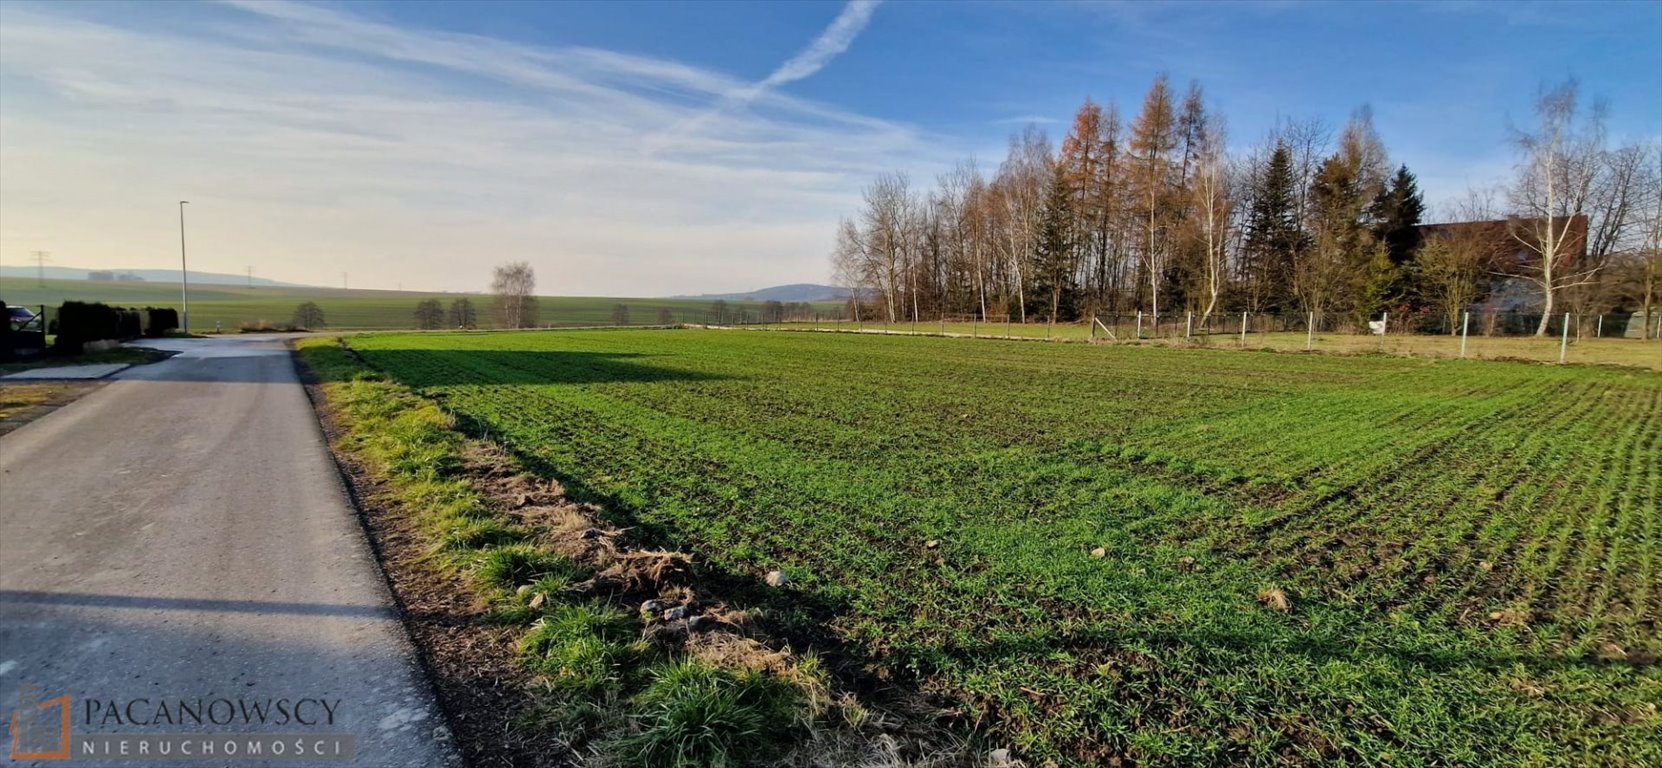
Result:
<point x="19" y="317"/>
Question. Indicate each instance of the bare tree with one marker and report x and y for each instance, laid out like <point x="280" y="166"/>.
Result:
<point x="308" y="315"/>
<point x="1454" y="259"/>
<point x="513" y="287"/>
<point x="462" y="314"/>
<point x="1559" y="162"/>
<point x="1153" y="139"/>
<point x="429" y="314"/>
<point x="887" y="239"/>
<point x="1651" y="249"/>
<point x="1021" y="183"/>
<point x="850" y="266"/>
<point x="1616" y="226"/>
<point x="1213" y="204"/>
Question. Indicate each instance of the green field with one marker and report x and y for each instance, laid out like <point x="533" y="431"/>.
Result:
<point x="231" y="305"/>
<point x="1076" y="547"/>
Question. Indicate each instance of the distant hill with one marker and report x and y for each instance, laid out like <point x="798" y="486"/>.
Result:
<point x="149" y="275"/>
<point x="792" y="292"/>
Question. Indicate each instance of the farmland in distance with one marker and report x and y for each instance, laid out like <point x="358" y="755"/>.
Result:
<point x="1167" y="556"/>
<point x="354" y="309"/>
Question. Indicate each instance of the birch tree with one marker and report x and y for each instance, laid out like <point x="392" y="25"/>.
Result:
<point x="514" y="300"/>
<point x="1213" y="203"/>
<point x="1558" y="164"/>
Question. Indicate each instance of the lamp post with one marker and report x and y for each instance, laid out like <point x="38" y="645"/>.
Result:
<point x="184" y="274"/>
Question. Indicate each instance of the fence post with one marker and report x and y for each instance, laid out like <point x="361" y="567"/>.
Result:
<point x="1384" y="327"/>
<point x="1564" y="341"/>
<point x="1598" y="333"/>
<point x="1310" y="333"/>
<point x="1465" y="324"/>
<point x="1243" y="330"/>
<point x="1093" y="326"/>
<point x="1189" y="327"/>
<point x="1139" y="325"/>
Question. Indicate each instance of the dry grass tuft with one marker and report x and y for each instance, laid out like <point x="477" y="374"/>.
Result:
<point x="1276" y="599"/>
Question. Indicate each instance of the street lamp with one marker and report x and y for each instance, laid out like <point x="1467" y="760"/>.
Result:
<point x="184" y="275"/>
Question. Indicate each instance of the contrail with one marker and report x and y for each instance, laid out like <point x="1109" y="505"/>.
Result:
<point x="830" y="43"/>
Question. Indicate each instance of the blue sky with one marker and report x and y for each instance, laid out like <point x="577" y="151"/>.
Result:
<point x="656" y="148"/>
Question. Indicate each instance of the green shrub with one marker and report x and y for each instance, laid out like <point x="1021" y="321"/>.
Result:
<point x="510" y="566"/>
<point x="694" y="714"/>
<point x="464" y="534"/>
<point x="583" y="648"/>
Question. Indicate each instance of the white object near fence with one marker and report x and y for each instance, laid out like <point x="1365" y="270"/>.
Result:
<point x="1106" y="329"/>
<point x="1377" y="327"/>
<point x="1139" y="324"/>
<point x="1243" y="329"/>
<point x="1465" y="324"/>
<point x="1564" y="342"/>
<point x="1189" y="327"/>
<point x="1310" y="332"/>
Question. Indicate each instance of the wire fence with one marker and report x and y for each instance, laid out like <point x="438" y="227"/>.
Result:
<point x="1608" y="338"/>
<point x="1625" y="338"/>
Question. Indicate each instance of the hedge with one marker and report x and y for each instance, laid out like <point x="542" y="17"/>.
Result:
<point x="80" y="322"/>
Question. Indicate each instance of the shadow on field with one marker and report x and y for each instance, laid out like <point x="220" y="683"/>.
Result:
<point x="442" y="367"/>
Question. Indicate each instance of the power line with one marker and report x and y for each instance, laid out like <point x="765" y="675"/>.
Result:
<point x="41" y="257"/>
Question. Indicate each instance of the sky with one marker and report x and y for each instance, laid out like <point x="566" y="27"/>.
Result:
<point x="648" y="149"/>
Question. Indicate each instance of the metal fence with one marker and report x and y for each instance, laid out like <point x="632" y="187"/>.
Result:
<point x="1616" y="338"/>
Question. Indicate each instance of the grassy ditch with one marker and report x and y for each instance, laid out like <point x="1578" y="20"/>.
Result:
<point x="625" y="661"/>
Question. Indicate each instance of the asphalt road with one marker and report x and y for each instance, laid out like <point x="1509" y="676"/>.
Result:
<point x="181" y="536"/>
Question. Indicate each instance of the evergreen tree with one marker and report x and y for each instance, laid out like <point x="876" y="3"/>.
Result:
<point x="1398" y="213"/>
<point x="1053" y="258"/>
<point x="1397" y="216"/>
<point x="1273" y="235"/>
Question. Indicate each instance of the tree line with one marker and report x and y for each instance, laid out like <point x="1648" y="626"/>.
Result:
<point x="1160" y="215"/>
<point x="514" y="305"/>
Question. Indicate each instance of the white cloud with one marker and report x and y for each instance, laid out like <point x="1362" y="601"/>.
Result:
<point x="830" y="44"/>
<point x="1026" y="120"/>
<point x="312" y="142"/>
